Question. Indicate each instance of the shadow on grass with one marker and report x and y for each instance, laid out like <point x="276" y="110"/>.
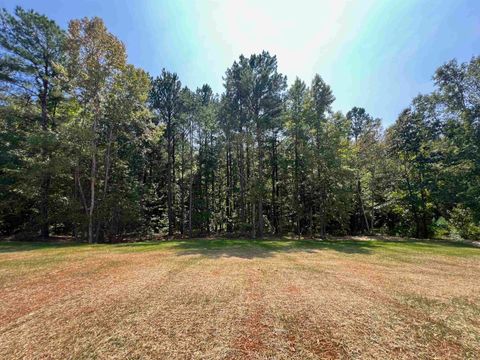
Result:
<point x="16" y="246"/>
<point x="249" y="249"/>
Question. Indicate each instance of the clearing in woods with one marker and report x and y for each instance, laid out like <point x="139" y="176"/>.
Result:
<point x="216" y="299"/>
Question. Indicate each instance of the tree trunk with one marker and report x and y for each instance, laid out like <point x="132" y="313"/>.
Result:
<point x="278" y="208"/>
<point x="423" y="196"/>
<point x="229" y="187"/>
<point x="190" y="190"/>
<point x="412" y="204"/>
<point x="274" y="185"/>
<point x="92" y="188"/>
<point x="108" y="162"/>
<point x="242" y="178"/>
<point x="182" y="189"/>
<point x="321" y="181"/>
<point x="45" y="181"/>
<point x="206" y="197"/>
<point x="169" y="178"/>
<point x="297" y="186"/>
<point x="322" y="210"/>
<point x="93" y="172"/>
<point x="212" y="175"/>
<point x="362" y="207"/>
<point x="260" y="181"/>
<point x="45" y="191"/>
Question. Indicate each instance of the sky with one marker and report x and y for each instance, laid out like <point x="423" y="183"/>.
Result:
<point x="376" y="54"/>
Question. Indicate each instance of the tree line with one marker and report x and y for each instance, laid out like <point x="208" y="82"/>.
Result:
<point x="97" y="148"/>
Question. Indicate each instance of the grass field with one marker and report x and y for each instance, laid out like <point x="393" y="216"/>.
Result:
<point x="231" y="299"/>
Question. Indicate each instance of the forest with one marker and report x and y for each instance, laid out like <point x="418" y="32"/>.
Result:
<point x="95" y="148"/>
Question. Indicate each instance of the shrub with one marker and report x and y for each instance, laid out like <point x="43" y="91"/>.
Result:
<point x="463" y="224"/>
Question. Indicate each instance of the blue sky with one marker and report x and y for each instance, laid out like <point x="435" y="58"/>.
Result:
<point x="374" y="54"/>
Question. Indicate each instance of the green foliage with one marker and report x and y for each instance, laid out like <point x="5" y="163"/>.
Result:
<point x="463" y="224"/>
<point x="440" y="228"/>
<point x="30" y="49"/>
<point x="94" y="147"/>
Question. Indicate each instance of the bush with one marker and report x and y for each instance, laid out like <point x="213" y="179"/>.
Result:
<point x="463" y="224"/>
<point x="440" y="228"/>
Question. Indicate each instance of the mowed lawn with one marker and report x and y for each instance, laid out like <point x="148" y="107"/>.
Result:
<point x="231" y="299"/>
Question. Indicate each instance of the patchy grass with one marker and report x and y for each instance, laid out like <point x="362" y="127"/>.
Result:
<point x="227" y="298"/>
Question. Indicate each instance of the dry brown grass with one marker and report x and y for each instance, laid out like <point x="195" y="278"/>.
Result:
<point x="239" y="299"/>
